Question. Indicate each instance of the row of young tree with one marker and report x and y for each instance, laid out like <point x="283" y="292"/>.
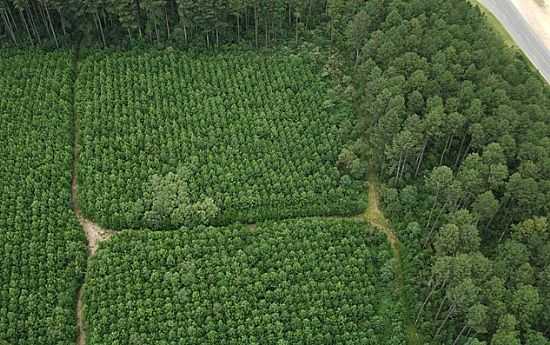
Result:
<point x="257" y="138"/>
<point x="42" y="249"/>
<point x="294" y="282"/>
<point x="458" y="125"/>
<point x="204" y="22"/>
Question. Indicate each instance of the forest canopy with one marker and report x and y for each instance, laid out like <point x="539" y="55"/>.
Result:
<point x="42" y="249"/>
<point x="293" y="282"/>
<point x="458" y="126"/>
<point x="252" y="137"/>
<point x="452" y="122"/>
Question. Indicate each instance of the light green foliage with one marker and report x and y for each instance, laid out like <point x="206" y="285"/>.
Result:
<point x="292" y="282"/>
<point x="42" y="249"/>
<point x="249" y="130"/>
<point x="166" y="202"/>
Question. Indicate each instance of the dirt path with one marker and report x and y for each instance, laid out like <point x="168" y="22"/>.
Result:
<point x="376" y="218"/>
<point x="81" y="336"/>
<point x="358" y="217"/>
<point x="94" y="233"/>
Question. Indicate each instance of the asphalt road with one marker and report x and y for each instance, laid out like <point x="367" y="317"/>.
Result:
<point x="522" y="33"/>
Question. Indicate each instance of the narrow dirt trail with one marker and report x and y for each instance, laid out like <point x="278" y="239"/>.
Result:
<point x="81" y="335"/>
<point x="94" y="233"/>
<point x="376" y="218"/>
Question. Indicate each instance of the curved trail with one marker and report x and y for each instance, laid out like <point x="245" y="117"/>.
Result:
<point x="376" y="218"/>
<point x="94" y="233"/>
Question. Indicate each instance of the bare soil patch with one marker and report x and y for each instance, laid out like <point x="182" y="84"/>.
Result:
<point x="81" y="337"/>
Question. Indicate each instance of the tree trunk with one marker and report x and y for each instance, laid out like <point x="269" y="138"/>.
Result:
<point x="467" y="150"/>
<point x="51" y="26"/>
<point x="459" y="335"/>
<point x="398" y="167"/>
<point x="10" y="16"/>
<point x="168" y="33"/>
<point x="459" y="153"/>
<point x="432" y="290"/>
<point x="157" y="31"/>
<point x="139" y="17"/>
<point x="22" y="16"/>
<point x="33" y="24"/>
<point x="421" y="157"/>
<point x="8" y="27"/>
<point x="43" y="16"/>
<point x="256" y="22"/>
<point x="289" y="15"/>
<point x="447" y="145"/>
<point x="266" y="32"/>
<point x="101" y="30"/>
<point x="432" y="210"/>
<point x="451" y="310"/>
<point x="296" y="25"/>
<point x="440" y="307"/>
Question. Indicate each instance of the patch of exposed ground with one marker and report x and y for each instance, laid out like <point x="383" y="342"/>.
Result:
<point x="94" y="233"/>
<point x="376" y="218"/>
<point x="81" y="336"/>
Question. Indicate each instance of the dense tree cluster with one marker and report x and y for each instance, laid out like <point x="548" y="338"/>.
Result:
<point x="258" y="137"/>
<point x="293" y="282"/>
<point x="456" y="122"/>
<point x="166" y="202"/>
<point x="42" y="249"/>
<point x="198" y="22"/>
<point x="459" y="126"/>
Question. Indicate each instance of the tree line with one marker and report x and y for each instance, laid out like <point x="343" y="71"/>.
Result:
<point x="199" y="22"/>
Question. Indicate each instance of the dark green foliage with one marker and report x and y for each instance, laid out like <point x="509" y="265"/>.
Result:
<point x="205" y="23"/>
<point x="42" y="249"/>
<point x="293" y="282"/>
<point x="458" y="124"/>
<point x="257" y="137"/>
